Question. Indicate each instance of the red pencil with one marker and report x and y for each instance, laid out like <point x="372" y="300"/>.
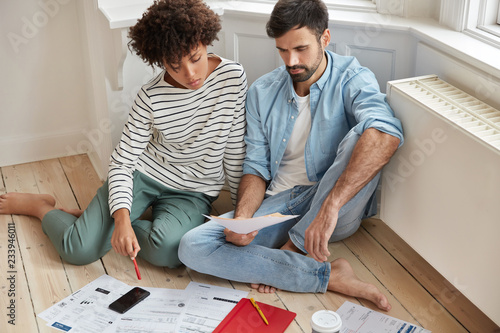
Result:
<point x="137" y="270"/>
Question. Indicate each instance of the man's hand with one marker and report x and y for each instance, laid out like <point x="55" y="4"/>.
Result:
<point x="239" y="239"/>
<point x="372" y="151"/>
<point x="318" y="234"/>
<point x="124" y="240"/>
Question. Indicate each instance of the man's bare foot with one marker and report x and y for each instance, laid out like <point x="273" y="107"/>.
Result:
<point x="344" y="280"/>
<point x="36" y="205"/>
<point x="74" y="212"/>
<point x="262" y="288"/>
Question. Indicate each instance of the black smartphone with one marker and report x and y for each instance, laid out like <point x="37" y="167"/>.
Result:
<point x="129" y="300"/>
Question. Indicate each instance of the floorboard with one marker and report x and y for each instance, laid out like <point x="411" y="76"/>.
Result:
<point x="442" y="290"/>
<point x="404" y="287"/>
<point x="44" y="269"/>
<point x="417" y="293"/>
<point x="15" y="298"/>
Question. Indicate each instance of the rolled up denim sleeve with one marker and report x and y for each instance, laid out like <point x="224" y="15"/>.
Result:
<point x="257" y="153"/>
<point x="368" y="106"/>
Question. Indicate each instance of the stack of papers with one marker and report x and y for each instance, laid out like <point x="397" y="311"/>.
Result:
<point x="198" y="308"/>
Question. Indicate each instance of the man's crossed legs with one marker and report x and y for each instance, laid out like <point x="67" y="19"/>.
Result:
<point x="276" y="256"/>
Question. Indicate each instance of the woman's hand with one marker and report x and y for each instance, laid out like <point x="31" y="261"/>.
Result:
<point x="124" y="240"/>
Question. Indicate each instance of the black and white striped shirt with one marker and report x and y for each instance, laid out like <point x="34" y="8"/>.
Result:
<point x="190" y="140"/>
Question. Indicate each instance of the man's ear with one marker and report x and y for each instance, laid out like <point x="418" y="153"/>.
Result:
<point x="325" y="38"/>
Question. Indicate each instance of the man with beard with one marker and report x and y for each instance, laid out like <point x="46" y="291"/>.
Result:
<point x="318" y="133"/>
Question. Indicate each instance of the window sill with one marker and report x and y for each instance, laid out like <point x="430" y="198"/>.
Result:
<point x="355" y="5"/>
<point x="464" y="46"/>
<point x="124" y="14"/>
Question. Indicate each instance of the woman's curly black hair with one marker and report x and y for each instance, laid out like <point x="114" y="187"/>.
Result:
<point x="171" y="29"/>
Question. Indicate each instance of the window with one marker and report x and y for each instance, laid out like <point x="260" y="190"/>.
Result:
<point x="489" y="17"/>
<point x="498" y="15"/>
<point x="482" y="20"/>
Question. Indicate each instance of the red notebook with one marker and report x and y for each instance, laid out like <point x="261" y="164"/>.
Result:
<point x="244" y="318"/>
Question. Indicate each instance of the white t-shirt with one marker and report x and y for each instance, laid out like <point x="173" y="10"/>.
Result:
<point x="292" y="169"/>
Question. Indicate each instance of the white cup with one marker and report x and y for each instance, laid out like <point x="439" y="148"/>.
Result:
<point x="326" y="321"/>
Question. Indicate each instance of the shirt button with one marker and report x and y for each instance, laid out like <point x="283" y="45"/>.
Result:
<point x="284" y="140"/>
<point x="293" y="117"/>
<point x="276" y="162"/>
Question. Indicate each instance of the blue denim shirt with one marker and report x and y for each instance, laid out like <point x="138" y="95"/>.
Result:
<point x="347" y="96"/>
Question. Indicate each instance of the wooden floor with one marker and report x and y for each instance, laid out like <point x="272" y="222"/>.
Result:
<point x="33" y="277"/>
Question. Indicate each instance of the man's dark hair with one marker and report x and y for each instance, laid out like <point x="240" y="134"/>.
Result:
<point x="171" y="29"/>
<point x="288" y="14"/>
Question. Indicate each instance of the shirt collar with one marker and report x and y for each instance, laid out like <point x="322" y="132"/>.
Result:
<point x="326" y="74"/>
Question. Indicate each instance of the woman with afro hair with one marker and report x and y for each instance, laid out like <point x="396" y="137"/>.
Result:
<point x="182" y="141"/>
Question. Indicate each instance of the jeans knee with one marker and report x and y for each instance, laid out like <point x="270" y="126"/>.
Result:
<point x="198" y="247"/>
<point x="188" y="249"/>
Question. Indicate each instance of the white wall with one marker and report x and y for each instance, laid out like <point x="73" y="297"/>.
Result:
<point x="43" y="97"/>
<point x="59" y="55"/>
<point x="474" y="81"/>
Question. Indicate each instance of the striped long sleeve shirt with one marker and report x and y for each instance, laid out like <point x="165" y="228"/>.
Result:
<point x="189" y="140"/>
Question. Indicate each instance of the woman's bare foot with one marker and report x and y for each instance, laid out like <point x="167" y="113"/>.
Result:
<point x="36" y="205"/>
<point x="344" y="280"/>
<point x="262" y="288"/>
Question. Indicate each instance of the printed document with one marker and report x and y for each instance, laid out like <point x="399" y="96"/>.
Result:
<point x="208" y="305"/>
<point x="158" y="313"/>
<point x="199" y="308"/>
<point x="86" y="310"/>
<point x="358" y="319"/>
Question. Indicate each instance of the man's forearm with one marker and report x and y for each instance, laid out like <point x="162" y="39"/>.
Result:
<point x="250" y="195"/>
<point x="373" y="150"/>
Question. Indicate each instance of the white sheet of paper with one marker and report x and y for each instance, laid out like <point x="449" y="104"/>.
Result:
<point x="357" y="318"/>
<point x="199" y="308"/>
<point x="158" y="313"/>
<point x="208" y="305"/>
<point x="245" y="226"/>
<point x="86" y="310"/>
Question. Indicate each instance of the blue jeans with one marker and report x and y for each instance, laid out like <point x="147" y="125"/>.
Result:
<point x="206" y="250"/>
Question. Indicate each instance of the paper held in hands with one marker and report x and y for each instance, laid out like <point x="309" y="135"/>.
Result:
<point x="245" y="226"/>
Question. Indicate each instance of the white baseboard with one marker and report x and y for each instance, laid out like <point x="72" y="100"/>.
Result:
<point x="100" y="166"/>
<point x="24" y="149"/>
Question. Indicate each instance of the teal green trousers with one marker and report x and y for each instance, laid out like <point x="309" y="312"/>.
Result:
<point x="83" y="240"/>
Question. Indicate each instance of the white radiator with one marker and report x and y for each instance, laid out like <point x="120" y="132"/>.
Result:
<point x="441" y="190"/>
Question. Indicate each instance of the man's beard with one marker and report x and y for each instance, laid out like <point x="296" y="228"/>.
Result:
<point x="307" y="73"/>
<point x="301" y="77"/>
